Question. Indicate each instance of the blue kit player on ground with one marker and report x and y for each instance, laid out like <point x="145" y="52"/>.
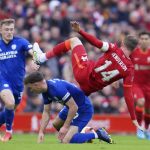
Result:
<point x="12" y="70"/>
<point x="74" y="116"/>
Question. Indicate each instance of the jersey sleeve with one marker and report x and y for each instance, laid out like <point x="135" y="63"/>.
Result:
<point x="63" y="94"/>
<point x="128" y="94"/>
<point x="46" y="100"/>
<point x="26" y="44"/>
<point x="128" y="79"/>
<point x="103" y="46"/>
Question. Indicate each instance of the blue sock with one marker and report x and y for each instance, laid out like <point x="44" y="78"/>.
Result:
<point x="82" y="137"/>
<point x="9" y="117"/>
<point x="2" y="117"/>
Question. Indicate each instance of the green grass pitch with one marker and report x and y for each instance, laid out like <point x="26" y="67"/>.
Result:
<point x="28" y="142"/>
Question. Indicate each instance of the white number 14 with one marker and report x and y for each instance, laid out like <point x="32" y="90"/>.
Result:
<point x="107" y="75"/>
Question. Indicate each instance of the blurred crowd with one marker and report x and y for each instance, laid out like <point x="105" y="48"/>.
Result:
<point x="48" y="23"/>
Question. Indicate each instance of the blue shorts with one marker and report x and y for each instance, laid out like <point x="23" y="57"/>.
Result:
<point x="5" y="85"/>
<point x="81" y="119"/>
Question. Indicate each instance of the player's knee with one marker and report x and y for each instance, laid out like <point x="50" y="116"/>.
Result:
<point x="75" y="41"/>
<point x="10" y="104"/>
<point x="140" y="102"/>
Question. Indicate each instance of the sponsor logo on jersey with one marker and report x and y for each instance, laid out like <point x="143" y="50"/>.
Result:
<point x="119" y="61"/>
<point x="141" y="67"/>
<point x="8" y="55"/>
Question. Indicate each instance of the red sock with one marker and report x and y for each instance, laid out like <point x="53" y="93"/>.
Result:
<point x="59" y="49"/>
<point x="139" y="114"/>
<point x="147" y="120"/>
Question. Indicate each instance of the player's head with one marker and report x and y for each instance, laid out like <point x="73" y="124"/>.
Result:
<point x="7" y="28"/>
<point x="36" y="82"/>
<point x="144" y="40"/>
<point x="130" y="42"/>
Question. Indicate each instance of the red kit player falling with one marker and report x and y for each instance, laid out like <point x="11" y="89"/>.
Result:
<point x="141" y="87"/>
<point x="93" y="76"/>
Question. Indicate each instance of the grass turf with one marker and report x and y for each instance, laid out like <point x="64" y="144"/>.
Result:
<point x="28" y="141"/>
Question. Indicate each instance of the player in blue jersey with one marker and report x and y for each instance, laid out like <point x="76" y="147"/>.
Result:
<point x="12" y="70"/>
<point x="74" y="116"/>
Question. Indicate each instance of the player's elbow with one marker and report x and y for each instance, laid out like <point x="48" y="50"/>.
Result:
<point x="74" y="108"/>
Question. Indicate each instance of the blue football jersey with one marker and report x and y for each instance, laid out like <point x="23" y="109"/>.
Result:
<point x="12" y="62"/>
<point x="61" y="91"/>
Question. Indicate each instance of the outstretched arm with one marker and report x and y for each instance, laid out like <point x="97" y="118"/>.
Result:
<point x="128" y="94"/>
<point x="32" y="66"/>
<point x="104" y="46"/>
<point x="44" y="122"/>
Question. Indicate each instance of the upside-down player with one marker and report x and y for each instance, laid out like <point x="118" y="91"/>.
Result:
<point x="91" y="75"/>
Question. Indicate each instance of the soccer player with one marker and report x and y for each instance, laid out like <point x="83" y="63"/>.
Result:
<point x="74" y="116"/>
<point x="141" y="87"/>
<point x="95" y="75"/>
<point x="12" y="71"/>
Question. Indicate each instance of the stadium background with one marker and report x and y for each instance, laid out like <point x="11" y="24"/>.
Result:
<point x="48" y="23"/>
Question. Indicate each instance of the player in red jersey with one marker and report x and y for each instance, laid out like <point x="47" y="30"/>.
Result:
<point x="93" y="76"/>
<point x="141" y="87"/>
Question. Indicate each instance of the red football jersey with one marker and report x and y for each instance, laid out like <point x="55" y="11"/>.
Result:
<point x="141" y="61"/>
<point x="112" y="66"/>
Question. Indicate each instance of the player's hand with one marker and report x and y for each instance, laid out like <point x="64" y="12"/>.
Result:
<point x="75" y="26"/>
<point x="40" y="137"/>
<point x="34" y="66"/>
<point x="137" y="125"/>
<point x="62" y="133"/>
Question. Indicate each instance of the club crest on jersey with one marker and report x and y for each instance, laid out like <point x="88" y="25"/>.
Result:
<point x="13" y="46"/>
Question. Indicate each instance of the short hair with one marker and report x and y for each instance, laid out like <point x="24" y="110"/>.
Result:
<point x="130" y="42"/>
<point x="144" y="33"/>
<point x="7" y="21"/>
<point x="33" y="78"/>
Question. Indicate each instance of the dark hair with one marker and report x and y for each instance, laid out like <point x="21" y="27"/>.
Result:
<point x="144" y="33"/>
<point x="130" y="42"/>
<point x="33" y="77"/>
<point x="7" y="21"/>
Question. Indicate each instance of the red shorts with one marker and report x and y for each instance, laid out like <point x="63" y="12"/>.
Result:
<point x="141" y="91"/>
<point x="81" y="67"/>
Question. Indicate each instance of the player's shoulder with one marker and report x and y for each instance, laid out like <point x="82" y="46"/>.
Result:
<point x="22" y="41"/>
<point x="19" y="38"/>
<point x="55" y="83"/>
